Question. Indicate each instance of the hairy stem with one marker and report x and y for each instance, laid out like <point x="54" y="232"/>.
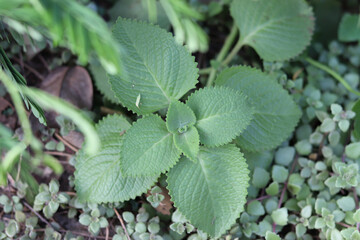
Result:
<point x="332" y="73"/>
<point x="205" y="71"/>
<point x="152" y="11"/>
<point x="233" y="53"/>
<point x="224" y="50"/>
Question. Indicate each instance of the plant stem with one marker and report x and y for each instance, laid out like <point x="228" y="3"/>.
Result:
<point x="233" y="53"/>
<point x="285" y="187"/>
<point x="66" y="143"/>
<point x="152" y="11"/>
<point x="37" y="214"/>
<point x="122" y="224"/>
<point x="11" y="156"/>
<point x="205" y="71"/>
<point x="344" y="225"/>
<point x="333" y="74"/>
<point x="224" y="50"/>
<point x="259" y="199"/>
<point x="228" y="43"/>
<point x="20" y="110"/>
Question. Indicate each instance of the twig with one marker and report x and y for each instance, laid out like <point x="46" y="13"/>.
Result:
<point x="44" y="62"/>
<point x="344" y="225"/>
<point x="32" y="70"/>
<point x="75" y="149"/>
<point x="11" y="181"/>
<point x="122" y="224"/>
<point x="259" y="199"/>
<point x="107" y="233"/>
<point x="285" y="187"/>
<point x="71" y="193"/>
<point x="297" y="73"/>
<point x="37" y="214"/>
<point x="83" y="234"/>
<point x="58" y="153"/>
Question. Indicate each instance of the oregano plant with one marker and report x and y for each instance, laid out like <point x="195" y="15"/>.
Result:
<point x="195" y="135"/>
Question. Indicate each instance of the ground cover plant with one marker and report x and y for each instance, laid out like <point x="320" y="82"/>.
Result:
<point x="259" y="140"/>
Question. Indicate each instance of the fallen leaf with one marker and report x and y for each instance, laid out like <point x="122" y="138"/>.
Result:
<point x="72" y="84"/>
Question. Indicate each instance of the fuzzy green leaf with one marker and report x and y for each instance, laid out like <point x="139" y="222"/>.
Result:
<point x="148" y="148"/>
<point x="179" y="117"/>
<point x="98" y="177"/>
<point x="275" y="115"/>
<point x="210" y="193"/>
<point x="277" y="29"/>
<point x="101" y="81"/>
<point x="272" y="236"/>
<point x="349" y="29"/>
<point x="221" y="113"/>
<point x="156" y="68"/>
<point x="188" y="142"/>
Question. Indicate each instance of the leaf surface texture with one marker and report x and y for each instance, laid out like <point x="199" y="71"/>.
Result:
<point x="188" y="142"/>
<point x="156" y="67"/>
<point x="349" y="29"/>
<point x="221" y="114"/>
<point x="276" y="114"/>
<point x="148" y="148"/>
<point x="277" y="29"/>
<point x="211" y="192"/>
<point x="98" y="177"/>
<point x="179" y="116"/>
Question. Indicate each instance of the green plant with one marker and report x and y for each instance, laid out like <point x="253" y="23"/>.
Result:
<point x="49" y="199"/>
<point x="93" y="220"/>
<point x="197" y="144"/>
<point x="77" y="25"/>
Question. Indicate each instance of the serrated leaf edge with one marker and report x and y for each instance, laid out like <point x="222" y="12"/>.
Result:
<point x="243" y="207"/>
<point x="312" y="18"/>
<point x="236" y="92"/>
<point x="179" y="46"/>
<point x="298" y="111"/>
<point x="192" y="112"/>
<point x="194" y="160"/>
<point x="150" y="174"/>
<point x="132" y="196"/>
<point x="104" y="94"/>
